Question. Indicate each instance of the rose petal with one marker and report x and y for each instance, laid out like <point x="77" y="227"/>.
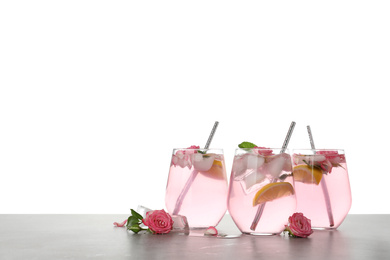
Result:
<point x="120" y="224"/>
<point x="211" y="231"/>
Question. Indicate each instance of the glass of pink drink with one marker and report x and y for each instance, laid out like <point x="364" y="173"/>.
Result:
<point x="322" y="186"/>
<point x="261" y="191"/>
<point x="197" y="186"/>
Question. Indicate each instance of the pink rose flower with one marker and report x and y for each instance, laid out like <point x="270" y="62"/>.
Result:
<point x="158" y="221"/>
<point x="333" y="156"/>
<point x="264" y="151"/>
<point x="299" y="225"/>
<point x="183" y="158"/>
<point x="325" y="165"/>
<point x="194" y="147"/>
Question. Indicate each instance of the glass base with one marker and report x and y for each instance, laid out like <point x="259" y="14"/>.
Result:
<point x="325" y="228"/>
<point x="199" y="228"/>
<point x="259" y="234"/>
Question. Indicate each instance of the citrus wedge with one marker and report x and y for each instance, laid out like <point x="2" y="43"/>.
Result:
<point x="307" y="174"/>
<point x="273" y="191"/>
<point x="216" y="171"/>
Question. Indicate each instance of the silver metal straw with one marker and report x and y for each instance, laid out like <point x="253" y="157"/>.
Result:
<point x="310" y="137"/>
<point x="288" y="136"/>
<point x="323" y="185"/>
<point x="260" y="208"/>
<point x="211" y="135"/>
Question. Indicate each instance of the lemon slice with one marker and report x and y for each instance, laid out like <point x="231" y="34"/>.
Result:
<point x="216" y="171"/>
<point x="217" y="163"/>
<point x="307" y="174"/>
<point x="273" y="191"/>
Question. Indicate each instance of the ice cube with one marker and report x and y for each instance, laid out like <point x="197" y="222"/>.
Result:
<point x="253" y="178"/>
<point x="202" y="162"/>
<point x="180" y="225"/>
<point x="245" y="162"/>
<point x="239" y="167"/>
<point x="277" y="164"/>
<point x="142" y="210"/>
<point x="254" y="161"/>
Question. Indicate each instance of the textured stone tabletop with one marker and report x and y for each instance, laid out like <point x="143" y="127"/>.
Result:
<point x="94" y="237"/>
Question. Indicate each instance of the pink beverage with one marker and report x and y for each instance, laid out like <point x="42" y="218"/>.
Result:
<point x="197" y="186"/>
<point x="322" y="186"/>
<point x="261" y="192"/>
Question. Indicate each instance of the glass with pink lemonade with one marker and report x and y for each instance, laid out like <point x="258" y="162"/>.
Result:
<point x="322" y="186"/>
<point x="261" y="190"/>
<point x="197" y="186"/>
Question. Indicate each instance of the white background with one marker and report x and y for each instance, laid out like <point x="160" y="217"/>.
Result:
<point x="95" y="94"/>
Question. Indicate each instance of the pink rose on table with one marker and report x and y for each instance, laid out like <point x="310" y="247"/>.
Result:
<point x="158" y="221"/>
<point x="299" y="225"/>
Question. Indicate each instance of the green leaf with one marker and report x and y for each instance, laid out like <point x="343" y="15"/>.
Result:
<point x="136" y="214"/>
<point x="202" y="152"/>
<point x="246" y="145"/>
<point x="131" y="221"/>
<point x="135" y="228"/>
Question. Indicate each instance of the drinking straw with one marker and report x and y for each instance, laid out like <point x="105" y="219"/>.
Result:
<point x="211" y="135"/>
<point x="323" y="185"/>
<point x="260" y="208"/>
<point x="193" y="175"/>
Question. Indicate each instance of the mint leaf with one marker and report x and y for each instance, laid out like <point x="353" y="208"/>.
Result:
<point x="136" y="214"/>
<point x="246" y="145"/>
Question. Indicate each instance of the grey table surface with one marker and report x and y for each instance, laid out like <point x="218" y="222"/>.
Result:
<point x="95" y="237"/>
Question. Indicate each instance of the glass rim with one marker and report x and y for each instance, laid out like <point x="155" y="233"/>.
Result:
<point x="316" y="149"/>
<point x="257" y="148"/>
<point x="198" y="149"/>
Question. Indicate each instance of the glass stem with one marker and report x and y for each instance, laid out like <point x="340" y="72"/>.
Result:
<point x="184" y="192"/>
<point x="327" y="201"/>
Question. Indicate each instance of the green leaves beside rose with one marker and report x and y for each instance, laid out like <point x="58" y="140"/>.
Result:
<point x="134" y="222"/>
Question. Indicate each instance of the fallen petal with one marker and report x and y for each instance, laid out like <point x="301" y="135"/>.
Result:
<point x="120" y="224"/>
<point x="211" y="231"/>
